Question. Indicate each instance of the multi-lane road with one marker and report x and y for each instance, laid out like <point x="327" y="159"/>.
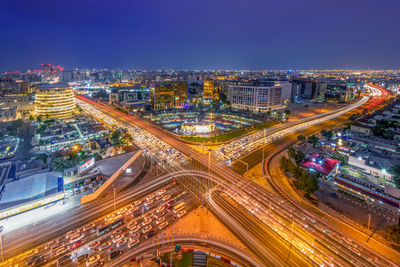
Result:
<point x="270" y="234"/>
<point x="227" y="175"/>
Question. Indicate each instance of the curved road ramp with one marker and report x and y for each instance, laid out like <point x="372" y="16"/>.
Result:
<point x="110" y="181"/>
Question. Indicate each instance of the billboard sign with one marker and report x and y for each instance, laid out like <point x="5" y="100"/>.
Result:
<point x="86" y="166"/>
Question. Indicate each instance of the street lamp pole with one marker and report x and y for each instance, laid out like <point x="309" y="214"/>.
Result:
<point x="114" y="197"/>
<point x="1" y="243"/>
<point x="262" y="163"/>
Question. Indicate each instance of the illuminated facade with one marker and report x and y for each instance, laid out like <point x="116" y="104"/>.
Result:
<point x="210" y="90"/>
<point x="169" y="95"/>
<point x="55" y="101"/>
<point x="196" y="128"/>
<point x="256" y="96"/>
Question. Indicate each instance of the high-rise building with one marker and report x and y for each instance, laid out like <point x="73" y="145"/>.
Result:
<point x="210" y="90"/>
<point x="167" y="95"/>
<point x="255" y="95"/>
<point x="55" y="101"/>
<point x="303" y="89"/>
<point x="338" y="93"/>
<point x="10" y="86"/>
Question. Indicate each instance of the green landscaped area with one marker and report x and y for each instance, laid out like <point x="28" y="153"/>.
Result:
<point x="185" y="260"/>
<point x="227" y="136"/>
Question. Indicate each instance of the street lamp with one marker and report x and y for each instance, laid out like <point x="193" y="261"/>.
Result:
<point x="114" y="196"/>
<point x="1" y="243"/>
<point x="262" y="163"/>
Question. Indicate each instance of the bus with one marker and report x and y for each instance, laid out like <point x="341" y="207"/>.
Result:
<point x="179" y="207"/>
<point x="118" y="221"/>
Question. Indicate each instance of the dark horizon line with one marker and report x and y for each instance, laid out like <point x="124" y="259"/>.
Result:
<point x="211" y="69"/>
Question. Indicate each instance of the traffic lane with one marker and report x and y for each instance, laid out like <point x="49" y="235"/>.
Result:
<point x="190" y="204"/>
<point x="335" y="223"/>
<point x="270" y="250"/>
<point x="90" y="236"/>
<point x="29" y="238"/>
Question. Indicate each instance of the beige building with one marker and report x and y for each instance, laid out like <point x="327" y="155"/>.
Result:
<point x="55" y="101"/>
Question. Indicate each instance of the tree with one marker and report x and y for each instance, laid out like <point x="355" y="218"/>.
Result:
<point x="296" y="155"/>
<point x="287" y="112"/>
<point x="353" y="117"/>
<point x="394" y="232"/>
<point x="39" y="119"/>
<point x="31" y="118"/>
<point x="327" y="134"/>
<point x="313" y="140"/>
<point x="301" y="138"/>
<point x="395" y="170"/>
<point x="116" y="137"/>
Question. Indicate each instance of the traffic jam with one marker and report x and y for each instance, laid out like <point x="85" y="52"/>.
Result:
<point x="103" y="240"/>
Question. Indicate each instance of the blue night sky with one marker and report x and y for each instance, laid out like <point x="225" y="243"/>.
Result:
<point x="202" y="34"/>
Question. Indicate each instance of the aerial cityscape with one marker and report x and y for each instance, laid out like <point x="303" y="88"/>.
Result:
<point x="209" y="133"/>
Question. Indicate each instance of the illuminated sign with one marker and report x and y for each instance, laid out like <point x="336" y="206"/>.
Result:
<point x="31" y="205"/>
<point x="86" y="166"/>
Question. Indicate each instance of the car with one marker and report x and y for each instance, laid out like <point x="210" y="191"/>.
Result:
<point x="134" y="236"/>
<point x="149" y="202"/>
<point x="77" y="191"/>
<point x="36" y="260"/>
<point x="146" y="221"/>
<point x="58" y="250"/>
<point x="104" y="246"/>
<point x="149" y="234"/>
<point x="117" y="238"/>
<point x="181" y="213"/>
<point x="134" y="209"/>
<point x="114" y="254"/>
<point x="160" y="209"/>
<point x="162" y="191"/>
<point x="71" y="233"/>
<point x="71" y="193"/>
<point x="166" y="197"/>
<point x="51" y="244"/>
<point x="132" y="224"/>
<point x="146" y="229"/>
<point x="77" y="243"/>
<point x="93" y="260"/>
<point x="121" y="242"/>
<point x="134" y="229"/>
<point x="160" y="220"/>
<point x="115" y="233"/>
<point x="109" y="217"/>
<point x="136" y="203"/>
<point x="158" y="197"/>
<point x="89" y="227"/>
<point x="64" y="260"/>
<point x="163" y="225"/>
<point x="162" y="213"/>
<point x="122" y="210"/>
<point x="81" y="258"/>
<point x="94" y="245"/>
<point x="134" y="242"/>
<point x="83" y="188"/>
<point x="76" y="237"/>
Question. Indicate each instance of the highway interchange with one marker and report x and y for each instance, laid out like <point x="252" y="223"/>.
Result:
<point x="276" y="231"/>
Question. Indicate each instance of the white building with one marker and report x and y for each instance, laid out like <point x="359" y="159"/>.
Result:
<point x="365" y="166"/>
<point x="255" y="96"/>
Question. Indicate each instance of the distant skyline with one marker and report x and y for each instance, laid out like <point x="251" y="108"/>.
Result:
<point x="207" y="34"/>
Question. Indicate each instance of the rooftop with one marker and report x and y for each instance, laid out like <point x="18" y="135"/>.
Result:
<point x="318" y="163"/>
<point x="28" y="189"/>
